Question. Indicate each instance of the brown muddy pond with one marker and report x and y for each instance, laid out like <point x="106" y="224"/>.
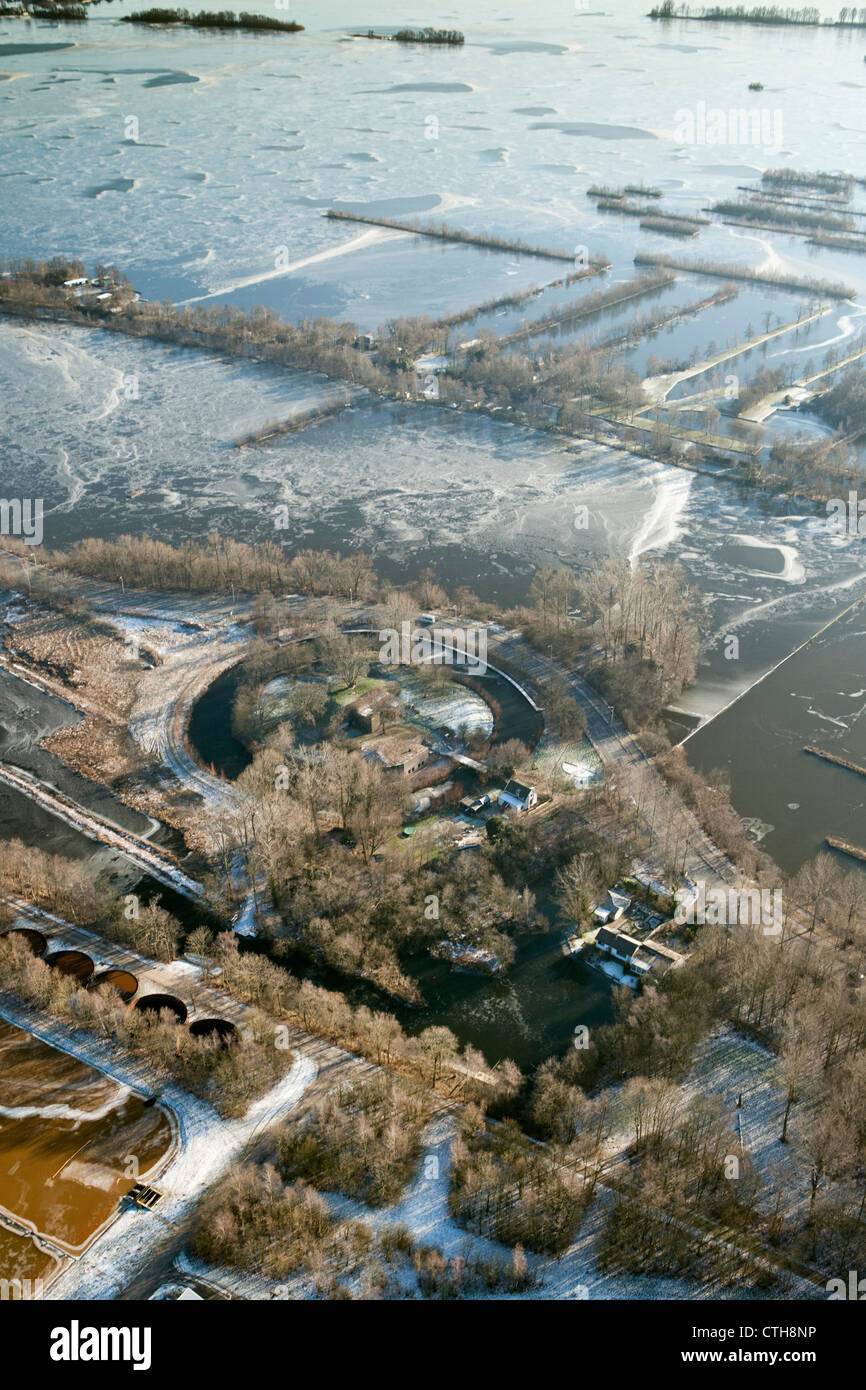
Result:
<point x="122" y="980"/>
<point x="72" y="1143"/>
<point x="76" y="963"/>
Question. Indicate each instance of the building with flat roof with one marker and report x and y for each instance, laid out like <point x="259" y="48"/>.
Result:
<point x="612" y="906"/>
<point x="401" y="753"/>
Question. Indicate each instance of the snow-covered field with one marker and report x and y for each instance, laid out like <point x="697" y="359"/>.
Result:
<point x="424" y="1210"/>
<point x="744" y="1077"/>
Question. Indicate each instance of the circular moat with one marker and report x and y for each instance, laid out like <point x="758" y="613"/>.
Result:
<point x="531" y="1011"/>
<point x="488" y="706"/>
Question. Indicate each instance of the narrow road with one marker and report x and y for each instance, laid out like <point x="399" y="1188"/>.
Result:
<point x="658" y="388"/>
<point x="673" y="822"/>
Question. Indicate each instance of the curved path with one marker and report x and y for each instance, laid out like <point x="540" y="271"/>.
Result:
<point x="617" y="748"/>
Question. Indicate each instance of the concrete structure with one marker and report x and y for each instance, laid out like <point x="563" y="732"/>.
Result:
<point x="401" y="753"/>
<point x="372" y="711"/>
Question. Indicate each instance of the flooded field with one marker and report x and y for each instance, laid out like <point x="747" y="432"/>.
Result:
<point x="529" y="1014"/>
<point x="72" y="1143"/>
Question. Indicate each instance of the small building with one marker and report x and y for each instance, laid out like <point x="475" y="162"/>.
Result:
<point x="518" y="796"/>
<point x="655" y="959"/>
<point x="372" y="711"/>
<point x="582" y="774"/>
<point x="617" y="944"/>
<point x="403" y="754"/>
<point x="642" y="957"/>
<point x="612" y="906"/>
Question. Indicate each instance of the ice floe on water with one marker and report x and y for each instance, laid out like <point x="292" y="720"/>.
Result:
<point x="771" y="560"/>
<point x="121" y="434"/>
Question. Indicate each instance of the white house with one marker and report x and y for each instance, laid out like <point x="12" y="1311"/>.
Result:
<point x="612" y="906"/>
<point x="643" y="957"/>
<point x="617" y="944"/>
<point x="518" y="796"/>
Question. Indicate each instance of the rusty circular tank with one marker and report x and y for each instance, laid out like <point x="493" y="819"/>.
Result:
<point x="35" y="940"/>
<point x="122" y="980"/>
<point x="76" y="963"/>
<point x="156" y="1003"/>
<point x="221" y="1028"/>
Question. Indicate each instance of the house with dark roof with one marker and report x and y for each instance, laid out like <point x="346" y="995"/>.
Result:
<point x="518" y="796"/>
<point x="617" y="944"/>
<point x="643" y="957"/>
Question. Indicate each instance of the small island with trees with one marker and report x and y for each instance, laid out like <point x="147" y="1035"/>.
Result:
<point x="808" y="17"/>
<point x="216" y="19"/>
<point x="434" y="36"/>
<point x="44" y="11"/>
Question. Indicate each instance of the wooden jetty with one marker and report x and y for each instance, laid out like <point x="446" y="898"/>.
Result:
<point x="854" y="850"/>
<point x="834" y="758"/>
